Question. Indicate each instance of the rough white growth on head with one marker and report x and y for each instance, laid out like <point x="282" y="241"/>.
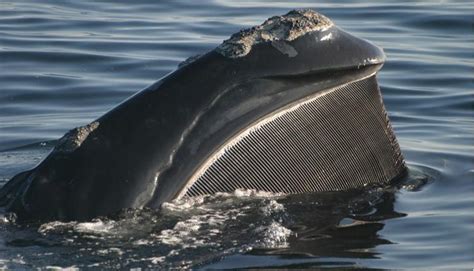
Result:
<point x="278" y="28"/>
<point x="74" y="138"/>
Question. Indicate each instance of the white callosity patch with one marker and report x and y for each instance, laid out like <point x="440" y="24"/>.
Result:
<point x="278" y="28"/>
<point x="74" y="138"/>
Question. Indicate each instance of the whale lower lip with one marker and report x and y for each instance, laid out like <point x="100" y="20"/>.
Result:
<point x="290" y="106"/>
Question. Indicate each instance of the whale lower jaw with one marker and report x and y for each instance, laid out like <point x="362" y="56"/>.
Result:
<point x="337" y="139"/>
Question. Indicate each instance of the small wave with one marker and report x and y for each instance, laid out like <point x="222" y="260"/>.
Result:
<point x="419" y="176"/>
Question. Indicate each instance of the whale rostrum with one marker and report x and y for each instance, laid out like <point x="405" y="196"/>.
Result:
<point x="289" y="106"/>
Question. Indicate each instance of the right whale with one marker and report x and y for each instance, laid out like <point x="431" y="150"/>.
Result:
<point x="289" y="106"/>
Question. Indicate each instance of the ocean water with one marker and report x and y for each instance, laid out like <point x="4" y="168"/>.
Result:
<point x="62" y="64"/>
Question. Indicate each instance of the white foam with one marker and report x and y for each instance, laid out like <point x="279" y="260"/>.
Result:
<point x="182" y="204"/>
<point x="275" y="235"/>
<point x="69" y="268"/>
<point x="255" y="193"/>
<point x="96" y="226"/>
<point x="54" y="226"/>
<point x="207" y="226"/>
<point x="157" y="260"/>
<point x="272" y="207"/>
<point x="112" y="250"/>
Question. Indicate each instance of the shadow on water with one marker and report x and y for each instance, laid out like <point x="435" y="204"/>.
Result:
<point x="332" y="229"/>
<point x="328" y="229"/>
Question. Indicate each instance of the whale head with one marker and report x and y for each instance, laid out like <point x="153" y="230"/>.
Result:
<point x="289" y="106"/>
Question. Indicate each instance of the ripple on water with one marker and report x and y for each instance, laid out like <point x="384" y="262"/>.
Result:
<point x="64" y="64"/>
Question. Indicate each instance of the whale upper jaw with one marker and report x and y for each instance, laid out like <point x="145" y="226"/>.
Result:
<point x="299" y="42"/>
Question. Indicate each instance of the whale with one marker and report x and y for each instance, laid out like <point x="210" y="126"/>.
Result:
<point x="288" y="106"/>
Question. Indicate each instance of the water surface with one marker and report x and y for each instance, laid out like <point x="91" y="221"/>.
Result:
<point x="64" y="64"/>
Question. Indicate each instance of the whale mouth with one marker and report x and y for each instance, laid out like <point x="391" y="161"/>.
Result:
<point x="336" y="139"/>
<point x="290" y="106"/>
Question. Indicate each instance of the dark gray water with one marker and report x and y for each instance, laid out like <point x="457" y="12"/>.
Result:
<point x="62" y="65"/>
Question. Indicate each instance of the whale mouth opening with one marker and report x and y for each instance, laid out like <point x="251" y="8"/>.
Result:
<point x="288" y="150"/>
